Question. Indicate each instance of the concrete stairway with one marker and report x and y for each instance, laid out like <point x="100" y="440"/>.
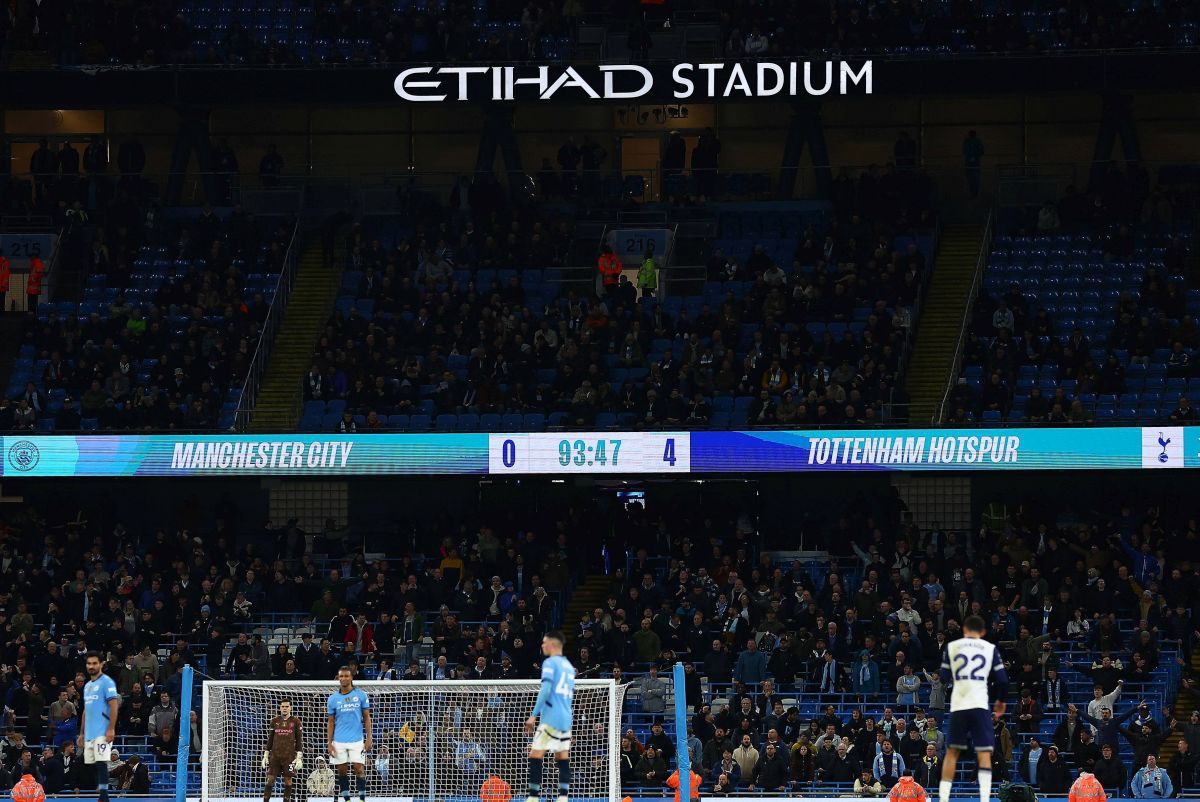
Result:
<point x="1185" y="703"/>
<point x="941" y="318"/>
<point x="311" y="302"/>
<point x="585" y="597"/>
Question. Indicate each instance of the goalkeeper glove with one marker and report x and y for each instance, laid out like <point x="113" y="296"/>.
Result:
<point x="298" y="763"/>
<point x="266" y="761"/>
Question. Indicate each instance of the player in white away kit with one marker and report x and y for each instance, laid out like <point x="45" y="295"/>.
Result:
<point x="966" y="665"/>
<point x="554" y="706"/>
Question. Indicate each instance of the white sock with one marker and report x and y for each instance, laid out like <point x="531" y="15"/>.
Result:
<point x="985" y="785"/>
<point x="944" y="790"/>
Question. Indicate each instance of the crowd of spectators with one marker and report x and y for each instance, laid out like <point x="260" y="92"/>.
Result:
<point x="1047" y="585"/>
<point x="1106" y="594"/>
<point x="291" y="33"/>
<point x="171" y="304"/>
<point x="152" y="602"/>
<point x="780" y="29"/>
<point x="835" y="320"/>
<point x="1046" y="352"/>
<point x="462" y="321"/>
<point x="507" y="30"/>
<point x="861" y="667"/>
<point x="164" y="331"/>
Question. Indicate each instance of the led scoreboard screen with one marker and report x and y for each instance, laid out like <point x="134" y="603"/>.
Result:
<point x="588" y="453"/>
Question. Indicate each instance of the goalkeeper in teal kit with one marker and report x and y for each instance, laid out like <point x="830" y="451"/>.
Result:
<point x="553" y="707"/>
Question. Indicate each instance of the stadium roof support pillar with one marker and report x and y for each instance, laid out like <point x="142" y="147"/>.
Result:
<point x="805" y="128"/>
<point x="192" y="135"/>
<point x="497" y="133"/>
<point x="1116" y="120"/>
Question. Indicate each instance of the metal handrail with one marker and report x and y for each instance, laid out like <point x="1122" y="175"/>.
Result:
<point x="258" y="364"/>
<point x="972" y="293"/>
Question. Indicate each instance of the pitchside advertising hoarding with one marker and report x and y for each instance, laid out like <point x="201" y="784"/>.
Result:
<point x="703" y="798"/>
<point x="589" y="453"/>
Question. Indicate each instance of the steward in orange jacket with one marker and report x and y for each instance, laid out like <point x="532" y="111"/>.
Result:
<point x="907" y="789"/>
<point x="610" y="268"/>
<point x="5" y="275"/>
<point x="28" y="789"/>
<point x="495" y="789"/>
<point x="694" y="785"/>
<point x="1086" y="788"/>
<point x="33" y="287"/>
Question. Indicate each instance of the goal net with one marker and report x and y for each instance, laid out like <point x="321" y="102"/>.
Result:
<point x="434" y="740"/>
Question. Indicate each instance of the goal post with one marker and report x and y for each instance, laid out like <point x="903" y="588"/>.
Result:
<point x="433" y="740"/>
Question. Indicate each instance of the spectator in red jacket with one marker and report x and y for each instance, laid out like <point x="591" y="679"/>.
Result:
<point x="360" y="637"/>
<point x="609" y="265"/>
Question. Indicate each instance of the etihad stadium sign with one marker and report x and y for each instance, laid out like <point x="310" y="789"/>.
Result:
<point x="695" y="82"/>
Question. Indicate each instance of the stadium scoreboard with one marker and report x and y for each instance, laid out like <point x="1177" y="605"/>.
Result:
<point x="598" y="453"/>
<point x="586" y="453"/>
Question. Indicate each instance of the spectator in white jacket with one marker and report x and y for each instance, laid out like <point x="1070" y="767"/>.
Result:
<point x="746" y="756"/>
<point x="1102" y="700"/>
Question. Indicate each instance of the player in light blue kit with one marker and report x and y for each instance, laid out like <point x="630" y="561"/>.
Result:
<point x="553" y="733"/>
<point x="99" y="726"/>
<point x="349" y="733"/>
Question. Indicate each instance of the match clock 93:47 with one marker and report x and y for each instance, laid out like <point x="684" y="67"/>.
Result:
<point x="590" y="452"/>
